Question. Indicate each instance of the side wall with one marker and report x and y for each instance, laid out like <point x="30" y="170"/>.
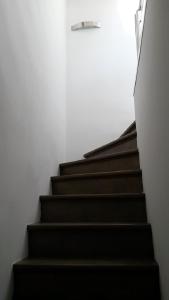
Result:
<point x="101" y="72"/>
<point x="152" y="116"/>
<point x="32" y="118"/>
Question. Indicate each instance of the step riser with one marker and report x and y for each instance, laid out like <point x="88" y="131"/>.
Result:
<point x="91" y="243"/>
<point x="130" y="162"/>
<point x="87" y="284"/>
<point x="126" y="145"/>
<point x="94" y="210"/>
<point x="99" y="185"/>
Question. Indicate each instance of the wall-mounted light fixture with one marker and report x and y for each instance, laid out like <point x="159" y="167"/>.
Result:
<point x="86" y="25"/>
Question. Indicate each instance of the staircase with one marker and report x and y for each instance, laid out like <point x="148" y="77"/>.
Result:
<point x="93" y="240"/>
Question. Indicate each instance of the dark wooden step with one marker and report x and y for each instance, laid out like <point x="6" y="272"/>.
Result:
<point x="98" y="183"/>
<point x="88" y="240"/>
<point x="111" y="162"/>
<point x="94" y="208"/>
<point x="92" y="280"/>
<point x="124" y="143"/>
<point x="130" y="129"/>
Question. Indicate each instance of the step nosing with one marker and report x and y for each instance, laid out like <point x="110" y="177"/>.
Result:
<point x="100" y="158"/>
<point x="113" y="226"/>
<point x="98" y="174"/>
<point x="29" y="263"/>
<point x="130" y="196"/>
<point x="119" y="140"/>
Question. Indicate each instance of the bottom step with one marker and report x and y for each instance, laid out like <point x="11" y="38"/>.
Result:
<point x="85" y="280"/>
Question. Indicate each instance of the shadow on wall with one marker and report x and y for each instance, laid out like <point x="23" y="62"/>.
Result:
<point x="9" y="288"/>
<point x="23" y="253"/>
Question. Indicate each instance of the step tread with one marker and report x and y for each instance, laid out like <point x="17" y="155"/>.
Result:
<point x="93" y="196"/>
<point x="117" y="141"/>
<point x="85" y="263"/>
<point x="97" y="175"/>
<point x="53" y="226"/>
<point x="100" y="158"/>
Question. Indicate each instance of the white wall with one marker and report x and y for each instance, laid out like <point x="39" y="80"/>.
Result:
<point x="152" y="116"/>
<point x="32" y="117"/>
<point x="101" y="72"/>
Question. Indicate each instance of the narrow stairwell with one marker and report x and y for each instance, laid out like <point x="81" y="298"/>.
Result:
<point x="93" y="240"/>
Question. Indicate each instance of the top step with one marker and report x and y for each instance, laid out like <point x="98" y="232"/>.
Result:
<point x="124" y="143"/>
<point x="130" y="129"/>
